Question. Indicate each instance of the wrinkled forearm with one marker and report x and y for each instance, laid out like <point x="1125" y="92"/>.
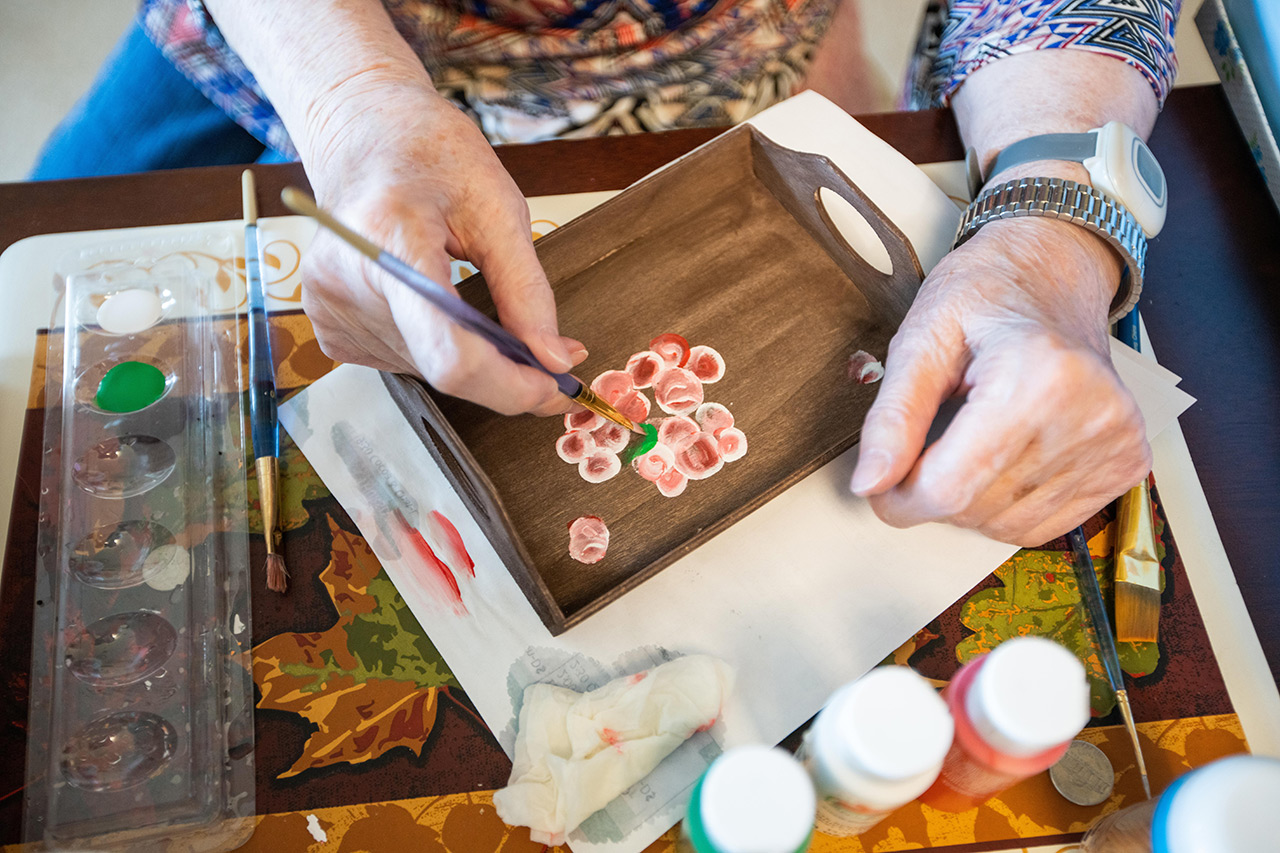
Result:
<point x="314" y="57"/>
<point x="1050" y="91"/>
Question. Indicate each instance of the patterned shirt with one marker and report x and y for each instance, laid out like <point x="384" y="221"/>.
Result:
<point x="527" y="70"/>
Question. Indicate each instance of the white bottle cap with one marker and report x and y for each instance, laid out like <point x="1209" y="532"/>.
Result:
<point x="1029" y="695"/>
<point x="890" y="724"/>
<point x="1224" y="807"/>
<point x="757" y="800"/>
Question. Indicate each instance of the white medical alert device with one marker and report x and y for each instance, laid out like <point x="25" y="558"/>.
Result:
<point x="1119" y="164"/>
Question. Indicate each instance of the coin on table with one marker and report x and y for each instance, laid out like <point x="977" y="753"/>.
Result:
<point x="1084" y="774"/>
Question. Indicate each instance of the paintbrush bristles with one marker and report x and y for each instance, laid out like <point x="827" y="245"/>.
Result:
<point x="249" y="196"/>
<point x="1137" y="613"/>
<point x="277" y="574"/>
<point x="1137" y="568"/>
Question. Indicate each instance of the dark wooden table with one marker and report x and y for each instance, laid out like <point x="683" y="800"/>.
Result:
<point x="1212" y="301"/>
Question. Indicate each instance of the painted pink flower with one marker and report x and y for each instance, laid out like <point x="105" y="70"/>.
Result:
<point x="865" y="368"/>
<point x="732" y="444"/>
<point x="678" y="391"/>
<point x="677" y="431"/>
<point x="713" y="417"/>
<point x="651" y="465"/>
<point x="673" y="348"/>
<point x="673" y="483"/>
<point x="700" y="458"/>
<point x="600" y="466"/>
<point x="575" y="446"/>
<point x="612" y="437"/>
<point x="612" y="384"/>
<point x="588" y="539"/>
<point x="644" y="367"/>
<point x="706" y="364"/>
<point x="634" y="405"/>
<point x="583" y="419"/>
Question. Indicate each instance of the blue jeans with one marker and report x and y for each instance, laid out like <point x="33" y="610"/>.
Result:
<point x="140" y="115"/>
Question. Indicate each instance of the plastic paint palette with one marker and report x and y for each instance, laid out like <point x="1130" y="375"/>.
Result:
<point x="141" y="724"/>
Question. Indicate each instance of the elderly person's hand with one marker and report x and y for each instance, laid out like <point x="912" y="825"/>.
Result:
<point x="405" y="168"/>
<point x="401" y="165"/>
<point x="1016" y="320"/>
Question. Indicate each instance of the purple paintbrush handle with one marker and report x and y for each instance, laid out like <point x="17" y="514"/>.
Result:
<point x="466" y="316"/>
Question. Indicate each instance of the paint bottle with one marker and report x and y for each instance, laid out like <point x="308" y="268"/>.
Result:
<point x="876" y="745"/>
<point x="1016" y="710"/>
<point x="752" y="799"/>
<point x="1223" y="807"/>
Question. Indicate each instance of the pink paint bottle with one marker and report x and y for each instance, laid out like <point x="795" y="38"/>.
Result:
<point x="1016" y="711"/>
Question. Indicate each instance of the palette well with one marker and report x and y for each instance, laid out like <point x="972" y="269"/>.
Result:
<point x="141" y="721"/>
<point x="732" y="247"/>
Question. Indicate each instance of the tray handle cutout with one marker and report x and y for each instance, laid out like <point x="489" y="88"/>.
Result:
<point x="476" y="490"/>
<point x="796" y="179"/>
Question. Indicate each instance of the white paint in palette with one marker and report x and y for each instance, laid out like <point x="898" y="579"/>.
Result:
<point x="128" y="312"/>
<point x="167" y="567"/>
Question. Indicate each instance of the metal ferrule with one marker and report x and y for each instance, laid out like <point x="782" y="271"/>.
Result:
<point x="591" y="400"/>
<point x="1137" y="561"/>
<point x="268" y="468"/>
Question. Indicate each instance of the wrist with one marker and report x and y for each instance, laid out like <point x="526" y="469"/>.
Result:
<point x="1092" y="227"/>
<point x="313" y="57"/>
<point x="1062" y="273"/>
<point x="344" y="125"/>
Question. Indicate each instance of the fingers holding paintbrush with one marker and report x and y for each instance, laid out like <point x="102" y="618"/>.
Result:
<point x="515" y="354"/>
<point x="265" y="427"/>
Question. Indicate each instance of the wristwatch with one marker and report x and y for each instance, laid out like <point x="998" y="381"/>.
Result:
<point x="1126" y="204"/>
<point x="1073" y="202"/>
<point x="1119" y="164"/>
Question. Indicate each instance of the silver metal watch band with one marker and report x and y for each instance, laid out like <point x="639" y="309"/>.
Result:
<point x="1077" y="203"/>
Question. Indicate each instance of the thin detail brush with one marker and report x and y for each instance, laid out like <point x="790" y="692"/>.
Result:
<point x="262" y="392"/>
<point x="457" y="310"/>
<point x="1096" y="619"/>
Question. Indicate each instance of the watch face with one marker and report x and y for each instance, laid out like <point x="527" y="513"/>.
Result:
<point x="1124" y="168"/>
<point x="1148" y="170"/>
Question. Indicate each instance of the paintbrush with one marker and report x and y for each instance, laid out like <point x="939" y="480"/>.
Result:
<point x="262" y="392"/>
<point x="458" y="310"/>
<point x="1137" y="562"/>
<point x="1096" y="619"/>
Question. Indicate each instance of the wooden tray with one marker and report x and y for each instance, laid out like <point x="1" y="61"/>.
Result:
<point x="731" y="248"/>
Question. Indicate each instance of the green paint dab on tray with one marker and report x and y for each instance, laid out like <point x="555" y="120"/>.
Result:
<point x="130" y="386"/>
<point x="650" y="439"/>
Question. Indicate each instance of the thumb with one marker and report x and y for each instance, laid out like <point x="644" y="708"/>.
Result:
<point x="920" y="372"/>
<point x="521" y="293"/>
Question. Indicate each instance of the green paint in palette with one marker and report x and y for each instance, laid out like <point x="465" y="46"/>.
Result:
<point x="130" y="386"/>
